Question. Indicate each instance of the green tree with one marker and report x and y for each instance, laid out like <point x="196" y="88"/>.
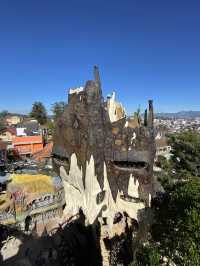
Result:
<point x="164" y="176"/>
<point x="163" y="163"/>
<point x="3" y="114"/>
<point x="147" y="256"/>
<point x="58" y="109"/>
<point x="176" y="230"/>
<point x="175" y="234"/>
<point x="51" y="126"/>
<point x="2" y="124"/>
<point x="185" y="160"/>
<point x="39" y="112"/>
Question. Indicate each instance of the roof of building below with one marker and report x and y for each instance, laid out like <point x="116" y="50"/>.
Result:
<point x="161" y="142"/>
<point x="27" y="140"/>
<point x="12" y="130"/>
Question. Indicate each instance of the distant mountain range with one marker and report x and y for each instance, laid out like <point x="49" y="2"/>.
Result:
<point x="181" y="114"/>
<point x="20" y="115"/>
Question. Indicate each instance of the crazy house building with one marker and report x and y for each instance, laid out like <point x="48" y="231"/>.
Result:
<point x="105" y="159"/>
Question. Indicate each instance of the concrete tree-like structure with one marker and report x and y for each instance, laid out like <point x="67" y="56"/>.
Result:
<point x="105" y="158"/>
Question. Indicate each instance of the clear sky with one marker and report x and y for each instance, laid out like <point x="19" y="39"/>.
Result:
<point x="144" y="49"/>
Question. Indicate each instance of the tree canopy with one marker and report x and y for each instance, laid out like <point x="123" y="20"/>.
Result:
<point x="58" y="109"/>
<point x="3" y="113"/>
<point x="176" y="230"/>
<point x="39" y="112"/>
<point x="175" y="233"/>
<point x="185" y="158"/>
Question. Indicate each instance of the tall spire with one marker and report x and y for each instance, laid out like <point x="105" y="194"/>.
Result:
<point x="96" y="75"/>
<point x="145" y="117"/>
<point x="97" y="78"/>
<point x="151" y="114"/>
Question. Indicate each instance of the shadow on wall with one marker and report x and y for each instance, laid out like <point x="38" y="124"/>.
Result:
<point x="75" y="244"/>
<point x="72" y="245"/>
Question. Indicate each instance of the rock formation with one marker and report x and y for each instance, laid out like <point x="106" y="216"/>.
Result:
<point x="105" y="159"/>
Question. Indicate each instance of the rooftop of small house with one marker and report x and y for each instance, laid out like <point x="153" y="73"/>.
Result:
<point x="31" y="127"/>
<point x="11" y="130"/>
<point x="162" y="142"/>
<point x="27" y="140"/>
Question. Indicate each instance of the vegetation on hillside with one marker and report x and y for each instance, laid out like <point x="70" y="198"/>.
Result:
<point x="185" y="158"/>
<point x="175" y="234"/>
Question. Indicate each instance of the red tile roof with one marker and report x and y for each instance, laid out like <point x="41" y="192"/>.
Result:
<point x="9" y="129"/>
<point x="27" y="140"/>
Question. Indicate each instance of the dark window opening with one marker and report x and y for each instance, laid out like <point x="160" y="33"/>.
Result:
<point x="129" y="164"/>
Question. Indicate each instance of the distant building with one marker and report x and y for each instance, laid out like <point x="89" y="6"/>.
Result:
<point x="28" y="128"/>
<point x="25" y="146"/>
<point x="21" y="131"/>
<point x="163" y="148"/>
<point x="13" y="119"/>
<point x="7" y="135"/>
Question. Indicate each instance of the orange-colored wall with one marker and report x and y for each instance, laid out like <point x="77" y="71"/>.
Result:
<point x="28" y="148"/>
<point x="26" y="145"/>
<point x="28" y="139"/>
<point x="37" y="147"/>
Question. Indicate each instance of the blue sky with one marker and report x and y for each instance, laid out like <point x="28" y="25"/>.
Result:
<point x="144" y="49"/>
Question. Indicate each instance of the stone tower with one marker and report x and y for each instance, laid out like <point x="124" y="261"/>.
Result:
<point x="105" y="158"/>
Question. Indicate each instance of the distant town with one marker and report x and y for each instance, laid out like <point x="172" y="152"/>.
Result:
<point x="178" y="124"/>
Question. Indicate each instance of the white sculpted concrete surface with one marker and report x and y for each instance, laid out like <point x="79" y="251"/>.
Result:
<point x="77" y="196"/>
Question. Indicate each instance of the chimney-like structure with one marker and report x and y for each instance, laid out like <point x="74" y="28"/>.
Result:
<point x="97" y="76"/>
<point x="150" y="114"/>
<point x="145" y="118"/>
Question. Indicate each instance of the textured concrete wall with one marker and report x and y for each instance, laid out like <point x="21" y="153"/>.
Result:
<point x="104" y="158"/>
